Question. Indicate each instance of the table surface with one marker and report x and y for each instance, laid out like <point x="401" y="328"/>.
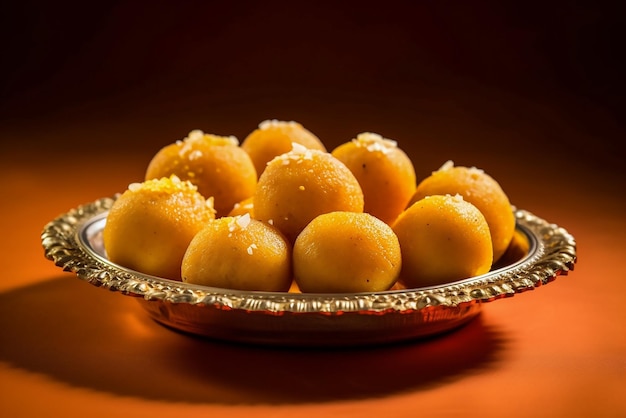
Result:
<point x="556" y="351"/>
<point x="73" y="350"/>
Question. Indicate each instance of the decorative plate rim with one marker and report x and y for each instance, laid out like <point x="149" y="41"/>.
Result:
<point x="68" y="241"/>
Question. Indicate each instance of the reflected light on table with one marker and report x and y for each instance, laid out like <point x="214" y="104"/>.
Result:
<point x="89" y="337"/>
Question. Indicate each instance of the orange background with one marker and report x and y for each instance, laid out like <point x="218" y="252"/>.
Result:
<point x="530" y="94"/>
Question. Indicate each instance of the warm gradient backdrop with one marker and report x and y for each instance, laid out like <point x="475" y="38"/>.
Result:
<point x="533" y="94"/>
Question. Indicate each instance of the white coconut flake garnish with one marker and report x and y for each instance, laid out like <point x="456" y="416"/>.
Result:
<point x="195" y="134"/>
<point x="169" y="184"/>
<point x="195" y="154"/>
<point x="447" y="165"/>
<point x="298" y="153"/>
<point x="186" y="146"/>
<point x="133" y="187"/>
<point x="243" y="221"/>
<point x="266" y="124"/>
<point x="210" y="203"/>
<point x="298" y="148"/>
<point x="374" y="142"/>
<point x="233" y="140"/>
<point x="239" y="222"/>
<point x="251" y="248"/>
<point x="198" y="135"/>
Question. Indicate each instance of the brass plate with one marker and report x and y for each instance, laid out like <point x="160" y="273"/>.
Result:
<point x="540" y="252"/>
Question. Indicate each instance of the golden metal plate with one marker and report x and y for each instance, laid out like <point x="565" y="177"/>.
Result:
<point x="540" y="252"/>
